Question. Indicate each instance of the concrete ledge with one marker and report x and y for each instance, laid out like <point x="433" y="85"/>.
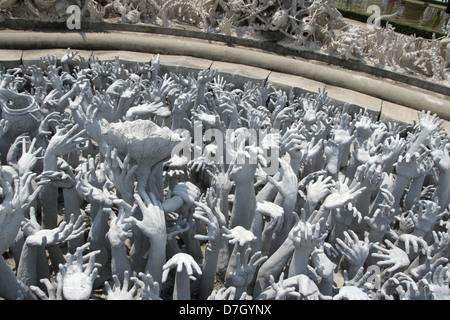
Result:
<point x="356" y="100"/>
<point x="127" y="58"/>
<point x="194" y="32"/>
<point x="298" y="85"/>
<point x="182" y="64"/>
<point x="33" y="57"/>
<point x="11" y="58"/>
<point x="150" y="43"/>
<point x="239" y="74"/>
<point x="402" y="115"/>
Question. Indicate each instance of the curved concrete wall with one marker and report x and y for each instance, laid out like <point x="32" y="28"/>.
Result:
<point x="389" y="99"/>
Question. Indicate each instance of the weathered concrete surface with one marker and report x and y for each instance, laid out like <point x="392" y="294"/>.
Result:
<point x="33" y="57"/>
<point x="127" y="58"/>
<point x="151" y="43"/>
<point x="298" y="85"/>
<point x="183" y="64"/>
<point x="10" y="58"/>
<point x="356" y="100"/>
<point x="239" y="74"/>
<point x="401" y="114"/>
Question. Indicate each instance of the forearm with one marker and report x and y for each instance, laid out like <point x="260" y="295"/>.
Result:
<point x="398" y="188"/>
<point x="363" y="203"/>
<point x="72" y="207"/>
<point x="119" y="260"/>
<point x="156" y="258"/>
<point x="332" y="167"/>
<point x="326" y="286"/>
<point x="244" y="205"/>
<point x="33" y="265"/>
<point x="182" y="288"/>
<point x="273" y="266"/>
<point x="257" y="230"/>
<point x="442" y="189"/>
<point x="344" y="154"/>
<point x="98" y="230"/>
<point x="26" y="271"/>
<point x="200" y="99"/>
<point x="122" y="107"/>
<point x="299" y="263"/>
<point x="266" y="241"/>
<point x="376" y="235"/>
<point x="49" y="202"/>
<point x="288" y="221"/>
<point x="176" y="120"/>
<point x="49" y="195"/>
<point x="208" y="272"/>
<point x="192" y="245"/>
<point x="337" y="232"/>
<point x="8" y="281"/>
<point x="353" y="270"/>
<point x="64" y="100"/>
<point x="269" y="191"/>
<point x="415" y="189"/>
<point x="223" y="202"/>
<point x="239" y="291"/>
<point x="295" y="164"/>
<point x="172" y="204"/>
<point x="309" y="207"/>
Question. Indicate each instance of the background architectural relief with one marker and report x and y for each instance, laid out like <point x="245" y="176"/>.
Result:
<point x="305" y="25"/>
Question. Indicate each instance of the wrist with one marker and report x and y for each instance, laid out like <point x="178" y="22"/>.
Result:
<point x="213" y="246"/>
<point x="299" y="263"/>
<point x="116" y="243"/>
<point x="158" y="239"/>
<point x="50" y="160"/>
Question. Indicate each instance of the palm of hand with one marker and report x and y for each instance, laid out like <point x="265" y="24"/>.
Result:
<point x="429" y="123"/>
<point x="306" y="236"/>
<point x="118" y="232"/>
<point x="341" y="195"/>
<point x="438" y="283"/>
<point x="76" y="284"/>
<point x="239" y="235"/>
<point x="381" y="219"/>
<point x="394" y="257"/>
<point x="351" y="293"/>
<point x="428" y="214"/>
<point x="222" y="182"/>
<point x="316" y="191"/>
<point x="342" y="136"/>
<point x="414" y="166"/>
<point x="441" y="159"/>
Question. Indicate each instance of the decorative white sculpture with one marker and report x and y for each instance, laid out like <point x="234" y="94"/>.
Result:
<point x="304" y="25"/>
<point x="356" y="210"/>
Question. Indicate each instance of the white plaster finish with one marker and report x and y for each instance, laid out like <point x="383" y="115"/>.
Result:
<point x="395" y="112"/>
<point x="299" y="85"/>
<point x="33" y="57"/>
<point x="330" y="75"/>
<point x="10" y="58"/>
<point x="340" y="96"/>
<point x="239" y="74"/>
<point x="128" y="58"/>
<point x="182" y="64"/>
